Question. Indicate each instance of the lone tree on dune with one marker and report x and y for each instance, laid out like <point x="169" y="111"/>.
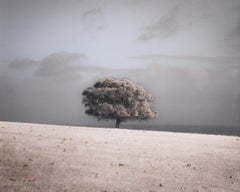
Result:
<point x="118" y="99"/>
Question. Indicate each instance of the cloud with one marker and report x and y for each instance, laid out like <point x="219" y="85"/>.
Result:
<point x="217" y="61"/>
<point x="23" y="64"/>
<point x="92" y="12"/>
<point x="196" y="26"/>
<point x="165" y="27"/>
<point x="62" y="64"/>
<point x="94" y="19"/>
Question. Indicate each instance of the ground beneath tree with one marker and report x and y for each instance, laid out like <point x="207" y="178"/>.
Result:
<point x="37" y="157"/>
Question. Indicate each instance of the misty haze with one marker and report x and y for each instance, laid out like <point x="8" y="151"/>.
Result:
<point x="184" y="52"/>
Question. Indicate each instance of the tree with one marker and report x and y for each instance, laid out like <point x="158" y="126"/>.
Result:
<point x="118" y="99"/>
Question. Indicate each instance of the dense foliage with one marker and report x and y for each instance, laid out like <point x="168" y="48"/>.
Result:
<point x="118" y="99"/>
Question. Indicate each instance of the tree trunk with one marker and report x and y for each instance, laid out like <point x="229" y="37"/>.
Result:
<point x="118" y="121"/>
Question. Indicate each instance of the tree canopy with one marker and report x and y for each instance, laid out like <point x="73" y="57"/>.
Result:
<point x="118" y="99"/>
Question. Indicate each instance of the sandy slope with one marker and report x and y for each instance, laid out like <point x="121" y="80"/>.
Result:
<point x="59" y="158"/>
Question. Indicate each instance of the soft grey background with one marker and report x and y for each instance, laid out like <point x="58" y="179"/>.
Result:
<point x="186" y="52"/>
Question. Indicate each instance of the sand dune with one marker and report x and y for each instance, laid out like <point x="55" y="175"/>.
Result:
<point x="37" y="157"/>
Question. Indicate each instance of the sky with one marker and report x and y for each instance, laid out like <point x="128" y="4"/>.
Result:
<point x="185" y="52"/>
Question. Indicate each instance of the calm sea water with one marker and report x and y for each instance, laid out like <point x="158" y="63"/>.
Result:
<point x="213" y="130"/>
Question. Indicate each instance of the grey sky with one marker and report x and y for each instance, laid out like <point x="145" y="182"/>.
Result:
<point x="184" y="51"/>
<point x="35" y="29"/>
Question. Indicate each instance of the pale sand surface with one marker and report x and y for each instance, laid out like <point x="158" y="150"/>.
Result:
<point x="37" y="157"/>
